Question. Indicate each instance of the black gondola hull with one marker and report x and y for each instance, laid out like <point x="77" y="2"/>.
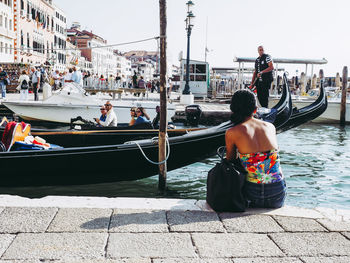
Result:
<point x="120" y="162"/>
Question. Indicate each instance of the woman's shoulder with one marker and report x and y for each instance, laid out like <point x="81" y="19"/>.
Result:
<point x="238" y="129"/>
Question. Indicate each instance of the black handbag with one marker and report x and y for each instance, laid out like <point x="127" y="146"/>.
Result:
<point x="225" y="184"/>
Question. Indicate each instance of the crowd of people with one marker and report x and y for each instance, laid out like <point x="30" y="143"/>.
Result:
<point x="33" y="79"/>
<point x="36" y="78"/>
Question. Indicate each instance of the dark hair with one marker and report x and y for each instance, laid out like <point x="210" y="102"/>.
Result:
<point x="133" y="109"/>
<point x="142" y="110"/>
<point x="243" y="104"/>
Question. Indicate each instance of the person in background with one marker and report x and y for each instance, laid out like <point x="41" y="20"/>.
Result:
<point x="117" y="80"/>
<point x="263" y="74"/>
<point x="103" y="116"/>
<point x="43" y="76"/>
<point x="86" y="79"/>
<point x="69" y="75"/>
<point x="254" y="143"/>
<point x="36" y="76"/>
<point x="3" y="82"/>
<point x="149" y="86"/>
<point x="142" y="116"/>
<point x="110" y="80"/>
<point x="57" y="78"/>
<point x="155" y="122"/>
<point x="133" y="116"/>
<point x="24" y="85"/>
<point x="153" y="88"/>
<point x="111" y="120"/>
<point x="141" y="85"/>
<point x="102" y="78"/>
<point x="77" y="76"/>
<point x="134" y="80"/>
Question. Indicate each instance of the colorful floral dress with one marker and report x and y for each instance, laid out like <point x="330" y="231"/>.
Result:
<point x="262" y="168"/>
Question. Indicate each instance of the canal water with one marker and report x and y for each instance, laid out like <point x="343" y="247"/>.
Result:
<point x="315" y="160"/>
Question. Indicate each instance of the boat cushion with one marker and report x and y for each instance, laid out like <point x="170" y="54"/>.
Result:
<point x="14" y="132"/>
<point x="269" y="117"/>
<point x="21" y="146"/>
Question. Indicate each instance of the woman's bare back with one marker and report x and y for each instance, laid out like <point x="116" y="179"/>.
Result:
<point x="251" y="136"/>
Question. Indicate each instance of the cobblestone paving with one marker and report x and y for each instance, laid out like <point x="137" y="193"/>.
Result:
<point x="90" y="235"/>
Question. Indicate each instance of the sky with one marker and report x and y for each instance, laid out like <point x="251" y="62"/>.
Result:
<point x="309" y="29"/>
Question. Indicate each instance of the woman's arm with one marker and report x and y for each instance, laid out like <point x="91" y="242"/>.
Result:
<point x="230" y="145"/>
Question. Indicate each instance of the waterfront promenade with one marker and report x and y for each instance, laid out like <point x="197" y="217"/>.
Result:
<point x="132" y="230"/>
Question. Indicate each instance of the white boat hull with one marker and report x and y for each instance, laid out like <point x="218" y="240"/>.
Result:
<point x="64" y="113"/>
<point x="72" y="101"/>
<point x="331" y="115"/>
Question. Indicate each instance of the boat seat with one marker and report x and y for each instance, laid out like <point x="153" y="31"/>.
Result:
<point x="14" y="132"/>
<point x="4" y="122"/>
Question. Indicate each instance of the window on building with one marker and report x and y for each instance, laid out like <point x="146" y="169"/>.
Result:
<point x="10" y="24"/>
<point x="22" y="39"/>
<point x="6" y="26"/>
<point x="6" y="48"/>
<point x="1" y="47"/>
<point x="1" y="18"/>
<point x="10" y="49"/>
<point x="28" y="40"/>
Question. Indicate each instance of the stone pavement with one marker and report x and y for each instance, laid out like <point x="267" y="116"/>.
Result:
<point x="111" y="230"/>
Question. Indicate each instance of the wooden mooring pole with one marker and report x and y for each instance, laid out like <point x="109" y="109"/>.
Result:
<point x="343" y="96"/>
<point x="163" y="97"/>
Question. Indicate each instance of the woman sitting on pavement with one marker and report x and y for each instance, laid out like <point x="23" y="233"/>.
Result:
<point x="254" y="142"/>
<point x="142" y="116"/>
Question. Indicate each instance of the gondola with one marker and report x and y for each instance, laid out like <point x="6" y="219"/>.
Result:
<point x="121" y="162"/>
<point x="92" y="136"/>
<point x="308" y="113"/>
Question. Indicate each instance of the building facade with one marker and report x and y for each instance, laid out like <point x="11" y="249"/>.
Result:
<point x="35" y="30"/>
<point x="7" y="34"/>
<point x="123" y="65"/>
<point x="144" y="69"/>
<point x="92" y="48"/>
<point x="59" y="56"/>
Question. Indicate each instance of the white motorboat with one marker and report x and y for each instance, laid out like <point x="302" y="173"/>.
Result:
<point x="331" y="115"/>
<point x="72" y="101"/>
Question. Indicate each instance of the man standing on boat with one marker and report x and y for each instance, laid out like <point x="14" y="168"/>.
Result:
<point x="262" y="77"/>
<point x="77" y="76"/>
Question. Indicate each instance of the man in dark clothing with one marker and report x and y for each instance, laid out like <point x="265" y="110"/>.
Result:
<point x="3" y="82"/>
<point x="263" y="74"/>
<point x="134" y="80"/>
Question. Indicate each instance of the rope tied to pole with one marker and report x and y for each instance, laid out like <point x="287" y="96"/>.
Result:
<point x="145" y="156"/>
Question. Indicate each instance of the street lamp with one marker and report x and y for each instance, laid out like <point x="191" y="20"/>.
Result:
<point x="189" y="24"/>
